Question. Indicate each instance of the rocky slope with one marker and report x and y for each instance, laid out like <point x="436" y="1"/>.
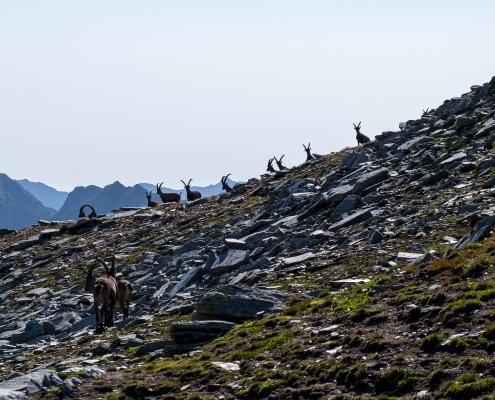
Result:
<point x="18" y="207"/>
<point x="368" y="272"/>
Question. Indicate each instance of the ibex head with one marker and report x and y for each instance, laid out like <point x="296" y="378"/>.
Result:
<point x="425" y="112"/>
<point x="357" y="128"/>
<point x="309" y="156"/>
<point x="148" y="195"/>
<point x="188" y="185"/>
<point x="159" y="188"/>
<point x="279" y="163"/>
<point x="225" y="185"/>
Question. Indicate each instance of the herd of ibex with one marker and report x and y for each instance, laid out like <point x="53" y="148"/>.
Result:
<point x="108" y="292"/>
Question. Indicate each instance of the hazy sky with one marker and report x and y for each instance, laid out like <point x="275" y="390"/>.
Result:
<point x="150" y="91"/>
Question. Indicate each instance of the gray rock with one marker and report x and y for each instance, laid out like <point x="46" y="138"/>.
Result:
<point x="338" y="194"/>
<point x="351" y="202"/>
<point x="351" y="220"/>
<point x="430" y="179"/>
<point x="353" y="160"/>
<point x="198" y="331"/>
<point x="21" y="383"/>
<point x="481" y="233"/>
<point x="93" y="372"/>
<point x="23" y="244"/>
<point x="456" y="157"/>
<point x="235" y="244"/>
<point x="375" y="237"/>
<point x="287" y="262"/>
<point x="191" y="276"/>
<point x="370" y="179"/>
<point x="33" y="330"/>
<point x="486" y="128"/>
<point x="63" y="321"/>
<point x="414" y="143"/>
<point x="67" y="387"/>
<point x="229" y="260"/>
<point x="6" y="394"/>
<point x="194" y="203"/>
<point x="236" y="303"/>
<point x="83" y="323"/>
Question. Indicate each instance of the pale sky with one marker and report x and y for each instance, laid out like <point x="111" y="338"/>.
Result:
<point x="156" y="91"/>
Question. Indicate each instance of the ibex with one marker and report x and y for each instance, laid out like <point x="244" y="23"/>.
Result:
<point x="191" y="194"/>
<point x="361" y="139"/>
<point x="151" y="203"/>
<point x="425" y="112"/>
<point x="104" y="295"/>
<point x="167" y="197"/>
<point x="225" y="185"/>
<point x="309" y="156"/>
<point x="90" y="216"/>
<point x="124" y="289"/>
<point x="270" y="166"/>
<point x="279" y="163"/>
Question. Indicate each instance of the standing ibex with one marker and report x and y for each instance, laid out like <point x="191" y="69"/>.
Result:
<point x="104" y="294"/>
<point x="151" y="203"/>
<point x="279" y="163"/>
<point x="309" y="156"/>
<point x="361" y="139"/>
<point x="270" y="166"/>
<point x="191" y="194"/>
<point x="167" y="197"/>
<point x="225" y="185"/>
<point x="84" y="216"/>
<point x="124" y="289"/>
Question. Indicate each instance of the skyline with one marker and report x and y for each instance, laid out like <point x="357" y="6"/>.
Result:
<point x="162" y="90"/>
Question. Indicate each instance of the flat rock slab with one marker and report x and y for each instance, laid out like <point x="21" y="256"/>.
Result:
<point x="287" y="262"/>
<point x="351" y="219"/>
<point x="235" y="244"/>
<point x="6" y="394"/>
<point x="408" y="256"/>
<point x="229" y="261"/>
<point x="227" y="365"/>
<point x="237" y="303"/>
<point x="198" y="331"/>
<point x="342" y="282"/>
<point x="20" y="383"/>
<point x="23" y="244"/>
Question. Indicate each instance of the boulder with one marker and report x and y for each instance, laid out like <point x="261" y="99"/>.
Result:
<point x="198" y="331"/>
<point x="236" y="304"/>
<point x="229" y="260"/>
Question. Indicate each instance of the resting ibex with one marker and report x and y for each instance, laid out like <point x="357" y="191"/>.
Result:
<point x="309" y="156"/>
<point x="225" y="185"/>
<point x="425" y="112"/>
<point x="191" y="194"/>
<point x="90" y="216"/>
<point x="124" y="289"/>
<point x="104" y="295"/>
<point x="279" y="163"/>
<point x="151" y="203"/>
<point x="167" y="197"/>
<point x="270" y="166"/>
<point x="361" y="139"/>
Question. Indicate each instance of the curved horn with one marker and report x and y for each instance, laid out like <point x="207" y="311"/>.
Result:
<point x="81" y="212"/>
<point x="92" y="209"/>
<point x="354" y="125"/>
<point x="222" y="180"/>
<point x="161" y="185"/>
<point x="183" y="183"/>
<point x="309" y="145"/>
<point x="281" y="157"/>
<point x="227" y="177"/>
<point x="157" y="188"/>
<point x="103" y="263"/>
<point x="275" y="158"/>
<point x="305" y="148"/>
<point x="359" y="125"/>
<point x="189" y="183"/>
